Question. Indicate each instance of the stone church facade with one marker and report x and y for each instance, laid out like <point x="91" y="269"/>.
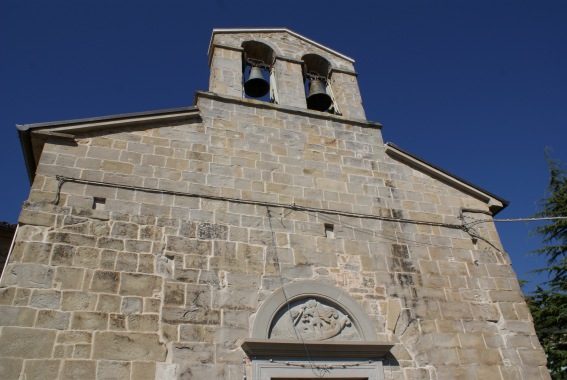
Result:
<point x="256" y="239"/>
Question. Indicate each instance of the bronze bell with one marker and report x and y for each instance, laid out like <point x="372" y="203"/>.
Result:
<point x="256" y="86"/>
<point x="318" y="99"/>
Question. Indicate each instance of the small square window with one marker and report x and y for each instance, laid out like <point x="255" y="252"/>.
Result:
<point x="99" y="203"/>
<point x="329" y="231"/>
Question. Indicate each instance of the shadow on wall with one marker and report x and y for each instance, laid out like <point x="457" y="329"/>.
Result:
<point x="7" y="232"/>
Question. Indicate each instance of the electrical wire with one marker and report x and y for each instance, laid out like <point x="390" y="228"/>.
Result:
<point x="479" y="221"/>
<point x="287" y="301"/>
<point x="395" y="238"/>
<point x="291" y="207"/>
<point x="63" y="179"/>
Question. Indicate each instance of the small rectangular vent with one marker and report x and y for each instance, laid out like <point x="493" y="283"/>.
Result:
<point x="329" y="231"/>
<point x="99" y="203"/>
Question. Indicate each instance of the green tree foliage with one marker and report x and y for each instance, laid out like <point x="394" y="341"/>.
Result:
<point x="548" y="303"/>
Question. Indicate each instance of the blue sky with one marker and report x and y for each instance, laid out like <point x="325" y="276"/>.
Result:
<point x="476" y="87"/>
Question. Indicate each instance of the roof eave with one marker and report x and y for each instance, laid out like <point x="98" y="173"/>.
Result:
<point x="494" y="202"/>
<point x="29" y="133"/>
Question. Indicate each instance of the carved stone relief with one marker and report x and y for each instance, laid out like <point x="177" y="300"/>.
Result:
<point x="312" y="319"/>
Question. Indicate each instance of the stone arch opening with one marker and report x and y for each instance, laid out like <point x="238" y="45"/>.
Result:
<point x="257" y="64"/>
<point x="317" y="84"/>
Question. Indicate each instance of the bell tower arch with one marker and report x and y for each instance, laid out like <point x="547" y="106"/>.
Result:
<point x="285" y="62"/>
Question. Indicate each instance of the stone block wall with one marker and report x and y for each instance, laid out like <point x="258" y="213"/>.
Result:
<point x="197" y="222"/>
<point x="226" y="71"/>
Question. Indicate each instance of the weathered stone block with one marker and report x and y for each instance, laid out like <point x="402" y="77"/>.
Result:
<point x="417" y="374"/>
<point x="138" y="245"/>
<point x="152" y="305"/>
<point x="113" y="370"/>
<point x="69" y="278"/>
<point x="26" y="342"/>
<point x="236" y="318"/>
<point x="86" y="257"/>
<point x="455" y="372"/>
<point x="52" y="319"/>
<point x="487" y="356"/>
<point x="7" y="295"/>
<point x="17" y="316"/>
<point x="36" y="218"/>
<point x="150" y="233"/>
<point x="455" y="310"/>
<point x="144" y="370"/>
<point x="446" y="340"/>
<point x="128" y="346"/>
<point x="140" y="284"/>
<point x="62" y="254"/>
<point x="117" y="322"/>
<point x="45" y="299"/>
<point x="28" y="276"/>
<point x="36" y="252"/>
<point x="485" y="311"/>
<point x="191" y="315"/>
<point x="22" y="297"/>
<point x="197" y="333"/>
<point x="104" y="281"/>
<point x="236" y="298"/>
<point x="506" y="296"/>
<point x="110" y="243"/>
<point x="82" y="351"/>
<point x="145" y="322"/>
<point x="78" y="369"/>
<point x="472" y="341"/>
<point x="212" y="231"/>
<point x="189" y="246"/>
<point x="126" y="262"/>
<point x="198" y="296"/>
<point x="109" y="303"/>
<point x="108" y="259"/>
<point x="228" y="341"/>
<point x="41" y="369"/>
<point x="195" y="353"/>
<point x="76" y="224"/>
<point x="324" y="259"/>
<point x="224" y="249"/>
<point x="10" y="368"/>
<point x="124" y="230"/>
<point x="518" y="327"/>
<point x="71" y="239"/>
<point x="73" y="337"/>
<point x="174" y="294"/>
<point x="146" y="263"/>
<point x="522" y="310"/>
<point x="444" y="356"/>
<point x="132" y="305"/>
<point x="85" y="320"/>
<point x="494" y="341"/>
<point x="72" y="300"/>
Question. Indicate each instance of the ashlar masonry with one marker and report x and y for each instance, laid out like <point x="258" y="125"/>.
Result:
<point x="256" y="238"/>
